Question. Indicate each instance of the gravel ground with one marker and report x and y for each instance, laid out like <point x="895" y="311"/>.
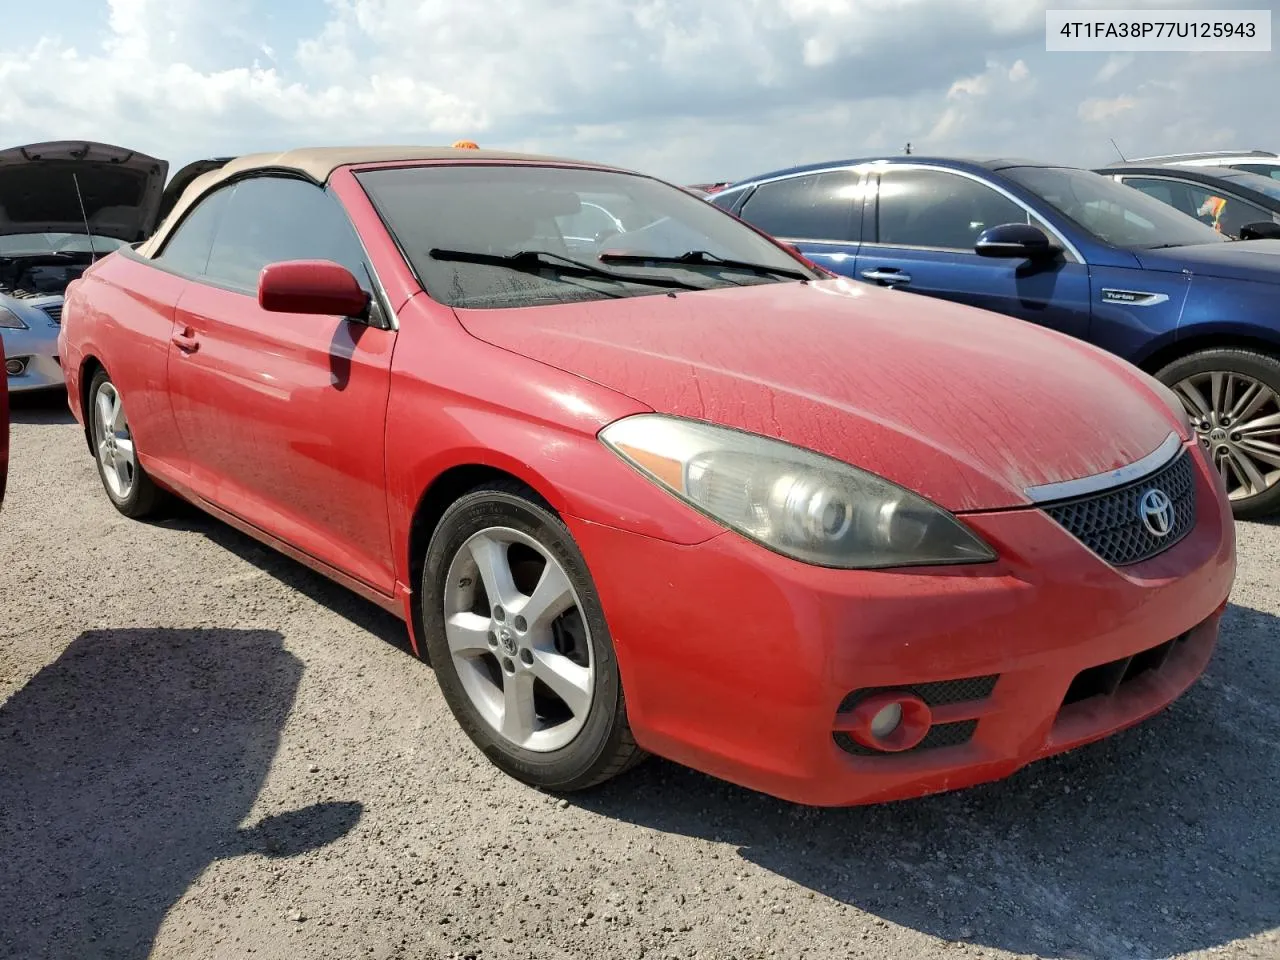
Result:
<point x="208" y="751"/>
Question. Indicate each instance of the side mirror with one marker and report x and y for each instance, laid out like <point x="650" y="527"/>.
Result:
<point x="311" y="286"/>
<point x="1261" y="230"/>
<point x="1015" y="240"/>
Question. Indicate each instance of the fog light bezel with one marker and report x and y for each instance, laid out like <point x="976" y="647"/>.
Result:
<point x="911" y="729"/>
<point x="21" y="363"/>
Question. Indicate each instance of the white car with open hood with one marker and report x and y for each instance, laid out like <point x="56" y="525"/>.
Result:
<point x="64" y="204"/>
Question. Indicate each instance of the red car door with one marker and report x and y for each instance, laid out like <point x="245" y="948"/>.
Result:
<point x="283" y="415"/>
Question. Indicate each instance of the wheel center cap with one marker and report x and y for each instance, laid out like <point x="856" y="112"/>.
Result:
<point x="1218" y="435"/>
<point x="507" y="642"/>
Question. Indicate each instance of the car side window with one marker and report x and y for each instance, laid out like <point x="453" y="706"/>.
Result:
<point x="933" y="208"/>
<point x="816" y="206"/>
<point x="725" y="200"/>
<point x="187" y="249"/>
<point x="1265" y="169"/>
<point x="1226" y="214"/>
<point x="270" y="219"/>
<point x="1173" y="193"/>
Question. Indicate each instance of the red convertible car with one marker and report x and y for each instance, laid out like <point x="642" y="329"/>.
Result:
<point x="664" y="490"/>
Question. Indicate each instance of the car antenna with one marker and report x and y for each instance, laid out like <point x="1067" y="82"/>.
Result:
<point x="1113" y="143"/>
<point x="93" y="254"/>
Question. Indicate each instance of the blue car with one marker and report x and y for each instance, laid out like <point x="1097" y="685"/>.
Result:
<point x="1067" y="249"/>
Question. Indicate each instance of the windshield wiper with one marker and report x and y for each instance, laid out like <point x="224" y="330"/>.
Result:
<point x="529" y="260"/>
<point x="705" y="259"/>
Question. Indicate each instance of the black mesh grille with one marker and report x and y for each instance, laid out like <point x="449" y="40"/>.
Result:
<point x="1111" y="525"/>
<point x="940" y="735"/>
<point x="54" y="312"/>
<point x="936" y="694"/>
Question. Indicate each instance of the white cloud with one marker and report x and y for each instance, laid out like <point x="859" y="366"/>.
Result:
<point x="672" y="86"/>
<point x="1097" y="110"/>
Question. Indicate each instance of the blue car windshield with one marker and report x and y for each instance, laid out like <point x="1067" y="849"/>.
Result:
<point x="1112" y="212"/>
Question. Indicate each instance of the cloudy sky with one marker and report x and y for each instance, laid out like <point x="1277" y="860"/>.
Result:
<point x="686" y="89"/>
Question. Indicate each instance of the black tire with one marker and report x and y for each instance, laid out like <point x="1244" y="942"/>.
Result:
<point x="604" y="747"/>
<point x="144" y="498"/>
<point x="1265" y="368"/>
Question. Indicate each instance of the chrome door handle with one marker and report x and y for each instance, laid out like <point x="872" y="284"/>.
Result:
<point x="886" y="276"/>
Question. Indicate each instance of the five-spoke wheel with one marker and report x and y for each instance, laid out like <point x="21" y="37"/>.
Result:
<point x="518" y="639"/>
<point x="515" y="631"/>
<point x="115" y="450"/>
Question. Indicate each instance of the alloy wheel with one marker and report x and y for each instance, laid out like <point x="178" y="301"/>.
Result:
<point x="114" y="440"/>
<point x="519" y="640"/>
<point x="1237" y="419"/>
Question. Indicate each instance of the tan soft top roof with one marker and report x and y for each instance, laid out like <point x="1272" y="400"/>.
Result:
<point x="318" y="164"/>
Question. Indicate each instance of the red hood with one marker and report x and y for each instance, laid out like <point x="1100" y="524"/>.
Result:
<point x="966" y="407"/>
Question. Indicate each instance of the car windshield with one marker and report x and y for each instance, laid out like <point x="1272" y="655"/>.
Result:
<point x="1253" y="181"/>
<point x="33" y="244"/>
<point x="562" y="220"/>
<point x="1112" y="212"/>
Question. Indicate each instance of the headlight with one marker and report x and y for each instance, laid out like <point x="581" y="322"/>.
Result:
<point x="10" y="320"/>
<point x="799" y="503"/>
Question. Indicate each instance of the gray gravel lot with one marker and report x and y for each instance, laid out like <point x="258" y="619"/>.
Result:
<point x="208" y="751"/>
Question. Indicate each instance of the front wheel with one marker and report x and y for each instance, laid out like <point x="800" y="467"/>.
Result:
<point x="1232" y="397"/>
<point x="516" y="633"/>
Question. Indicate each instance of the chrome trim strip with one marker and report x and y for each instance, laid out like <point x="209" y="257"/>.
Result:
<point x="1070" y="489"/>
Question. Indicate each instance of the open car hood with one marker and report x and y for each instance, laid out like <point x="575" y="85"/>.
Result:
<point x="121" y="190"/>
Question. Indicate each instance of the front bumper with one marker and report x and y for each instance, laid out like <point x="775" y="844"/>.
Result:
<point x="37" y="350"/>
<point x="738" y="662"/>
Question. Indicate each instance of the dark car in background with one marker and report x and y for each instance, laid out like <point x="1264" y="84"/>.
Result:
<point x="1233" y="202"/>
<point x="1068" y="249"/>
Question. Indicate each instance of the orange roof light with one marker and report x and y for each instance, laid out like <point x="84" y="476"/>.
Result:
<point x="466" y="145"/>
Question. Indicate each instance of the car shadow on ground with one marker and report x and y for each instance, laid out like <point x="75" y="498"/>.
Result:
<point x="319" y="589"/>
<point x="126" y="769"/>
<point x="1158" y="841"/>
<point x="40" y="407"/>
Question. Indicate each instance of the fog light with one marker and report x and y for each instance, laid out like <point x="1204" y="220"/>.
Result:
<point x="890" y="721"/>
<point x="15" y="366"/>
<point x="886" y="720"/>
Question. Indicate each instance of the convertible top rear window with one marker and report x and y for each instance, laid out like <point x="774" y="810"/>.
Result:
<point x="569" y="217"/>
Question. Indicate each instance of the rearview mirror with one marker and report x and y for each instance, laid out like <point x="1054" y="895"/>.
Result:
<point x="311" y="286"/>
<point x="1010" y="240"/>
<point x="1261" y="230"/>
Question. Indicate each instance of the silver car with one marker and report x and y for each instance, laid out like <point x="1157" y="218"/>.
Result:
<point x="63" y="205"/>
<point x="34" y="270"/>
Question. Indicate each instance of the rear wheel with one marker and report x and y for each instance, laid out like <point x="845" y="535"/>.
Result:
<point x="1233" y="399"/>
<point x="127" y="485"/>
<point x="517" y="636"/>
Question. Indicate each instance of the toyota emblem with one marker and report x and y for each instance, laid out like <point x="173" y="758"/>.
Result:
<point x="1156" y="510"/>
